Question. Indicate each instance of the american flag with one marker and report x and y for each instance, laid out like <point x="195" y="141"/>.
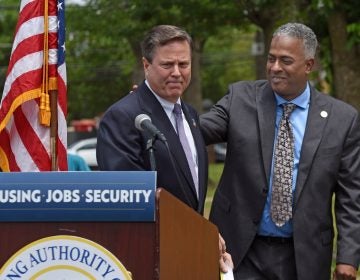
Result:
<point x="36" y="67"/>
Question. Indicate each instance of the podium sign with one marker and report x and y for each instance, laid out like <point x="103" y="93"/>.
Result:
<point x="77" y="196"/>
<point x="101" y="225"/>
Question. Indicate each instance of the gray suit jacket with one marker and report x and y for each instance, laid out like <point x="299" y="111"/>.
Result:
<point x="329" y="164"/>
<point x="121" y="146"/>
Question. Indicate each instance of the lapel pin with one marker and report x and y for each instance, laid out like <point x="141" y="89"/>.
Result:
<point x="324" y="114"/>
<point x="193" y="122"/>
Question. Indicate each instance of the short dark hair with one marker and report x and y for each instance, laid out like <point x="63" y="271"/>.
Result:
<point x="161" y="35"/>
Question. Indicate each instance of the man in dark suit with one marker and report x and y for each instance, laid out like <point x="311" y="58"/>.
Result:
<point x="325" y="162"/>
<point x="182" y="168"/>
<point x="121" y="146"/>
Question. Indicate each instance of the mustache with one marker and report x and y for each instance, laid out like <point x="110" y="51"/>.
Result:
<point x="277" y="77"/>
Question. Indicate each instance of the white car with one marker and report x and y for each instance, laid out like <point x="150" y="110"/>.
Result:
<point x="86" y="148"/>
<point x="220" y="152"/>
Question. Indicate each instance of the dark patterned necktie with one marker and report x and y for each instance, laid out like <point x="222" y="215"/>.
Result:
<point x="281" y="198"/>
<point x="185" y="144"/>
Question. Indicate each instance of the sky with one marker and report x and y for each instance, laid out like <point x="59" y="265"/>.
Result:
<point x="79" y="2"/>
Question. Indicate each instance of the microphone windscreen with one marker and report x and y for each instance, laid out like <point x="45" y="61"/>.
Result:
<point x="139" y="120"/>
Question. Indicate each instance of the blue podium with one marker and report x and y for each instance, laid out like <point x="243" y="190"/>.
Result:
<point x="152" y="234"/>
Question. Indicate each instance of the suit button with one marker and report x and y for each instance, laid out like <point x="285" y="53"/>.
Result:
<point x="256" y="222"/>
<point x="265" y="190"/>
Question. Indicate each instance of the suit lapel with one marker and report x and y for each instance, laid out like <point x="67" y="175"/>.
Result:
<point x="266" y="105"/>
<point x="194" y="127"/>
<point x="180" y="158"/>
<point x="152" y="106"/>
<point x="149" y="104"/>
<point x="315" y="125"/>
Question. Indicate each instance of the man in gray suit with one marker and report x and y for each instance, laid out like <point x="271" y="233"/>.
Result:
<point x="325" y="162"/>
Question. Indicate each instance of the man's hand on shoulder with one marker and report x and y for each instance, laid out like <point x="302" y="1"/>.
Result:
<point x="134" y="87"/>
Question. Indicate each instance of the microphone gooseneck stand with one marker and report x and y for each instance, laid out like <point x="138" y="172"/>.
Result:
<point x="149" y="147"/>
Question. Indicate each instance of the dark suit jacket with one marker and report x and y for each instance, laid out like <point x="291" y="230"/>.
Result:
<point x="121" y="146"/>
<point x="329" y="164"/>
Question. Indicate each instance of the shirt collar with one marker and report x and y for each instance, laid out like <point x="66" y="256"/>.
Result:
<point x="301" y="101"/>
<point x="168" y="106"/>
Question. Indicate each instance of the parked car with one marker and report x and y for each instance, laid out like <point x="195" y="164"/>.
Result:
<point x="220" y="152"/>
<point x="86" y="148"/>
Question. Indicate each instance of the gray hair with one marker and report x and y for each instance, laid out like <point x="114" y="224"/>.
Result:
<point x="302" y="32"/>
<point x="160" y="35"/>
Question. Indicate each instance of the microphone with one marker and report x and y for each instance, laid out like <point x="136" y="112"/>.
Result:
<point x="143" y="123"/>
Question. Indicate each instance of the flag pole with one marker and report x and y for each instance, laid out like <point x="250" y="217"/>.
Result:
<point x="48" y="106"/>
<point x="45" y="149"/>
<point x="53" y="129"/>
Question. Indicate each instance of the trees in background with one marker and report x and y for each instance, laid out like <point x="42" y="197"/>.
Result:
<point x="231" y="39"/>
<point x="266" y="15"/>
<point x="337" y="25"/>
<point x="340" y="41"/>
<point x="129" y="20"/>
<point x="8" y="18"/>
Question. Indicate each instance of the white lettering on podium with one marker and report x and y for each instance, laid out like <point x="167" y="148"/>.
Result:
<point x="20" y="196"/>
<point x="117" y="196"/>
<point x="75" y="196"/>
<point x="57" y="196"/>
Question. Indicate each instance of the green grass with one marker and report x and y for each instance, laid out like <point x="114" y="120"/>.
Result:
<point x="215" y="171"/>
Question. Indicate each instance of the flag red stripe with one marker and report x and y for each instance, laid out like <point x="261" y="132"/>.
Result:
<point x="26" y="82"/>
<point x="33" y="81"/>
<point x="27" y="147"/>
<point x="31" y="10"/>
<point x="62" y="155"/>
<point x="29" y="45"/>
<point x="52" y="8"/>
<point x="5" y="145"/>
<point x="31" y="141"/>
<point x="62" y="97"/>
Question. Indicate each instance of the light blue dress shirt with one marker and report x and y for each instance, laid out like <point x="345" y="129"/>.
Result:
<point x="298" y="120"/>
